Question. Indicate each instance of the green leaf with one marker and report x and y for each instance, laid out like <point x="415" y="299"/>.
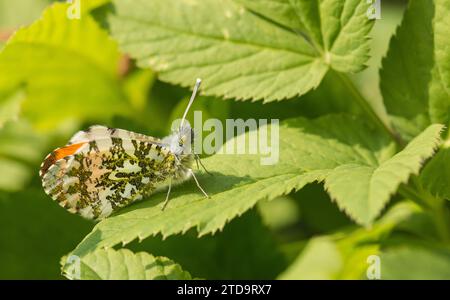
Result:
<point x="405" y="74"/>
<point x="344" y="254"/>
<point x="310" y="150"/>
<point x="415" y="84"/>
<point x="67" y="65"/>
<point x="363" y="190"/>
<point x="440" y="85"/>
<point x="436" y="174"/>
<point x="442" y="28"/>
<point x="137" y="87"/>
<point x="255" y="60"/>
<point x="339" y="29"/>
<point x="122" y="265"/>
<point x="280" y="11"/>
<point x="319" y="260"/>
<point x="415" y="263"/>
<point x="231" y="197"/>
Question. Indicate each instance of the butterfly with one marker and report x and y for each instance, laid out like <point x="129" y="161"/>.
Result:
<point x="103" y="169"/>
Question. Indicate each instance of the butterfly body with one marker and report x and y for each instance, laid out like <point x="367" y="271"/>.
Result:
<point x="103" y="169"/>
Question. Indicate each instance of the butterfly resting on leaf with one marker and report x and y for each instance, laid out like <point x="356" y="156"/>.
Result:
<point x="103" y="169"/>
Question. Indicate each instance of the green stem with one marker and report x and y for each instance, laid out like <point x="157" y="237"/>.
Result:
<point x="441" y="218"/>
<point x="411" y="194"/>
<point x="437" y="209"/>
<point x="368" y="109"/>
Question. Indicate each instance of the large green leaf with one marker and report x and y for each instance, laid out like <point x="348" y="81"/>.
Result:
<point x="122" y="265"/>
<point x="68" y="67"/>
<point x="332" y="148"/>
<point x="238" y="53"/>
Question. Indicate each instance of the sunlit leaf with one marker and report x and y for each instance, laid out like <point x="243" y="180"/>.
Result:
<point x="256" y="59"/>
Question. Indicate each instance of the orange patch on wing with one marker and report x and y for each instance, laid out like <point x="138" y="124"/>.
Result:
<point x="66" y="151"/>
<point x="59" y="154"/>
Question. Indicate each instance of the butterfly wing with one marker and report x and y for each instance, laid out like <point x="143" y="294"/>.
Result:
<point x="100" y="132"/>
<point x="103" y="169"/>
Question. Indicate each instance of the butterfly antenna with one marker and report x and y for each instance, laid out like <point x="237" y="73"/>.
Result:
<point x="194" y="94"/>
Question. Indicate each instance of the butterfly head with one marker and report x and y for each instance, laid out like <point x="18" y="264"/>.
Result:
<point x="181" y="141"/>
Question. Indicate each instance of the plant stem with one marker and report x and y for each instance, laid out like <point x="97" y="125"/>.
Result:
<point x="368" y="109"/>
<point x="411" y="194"/>
<point x="441" y="216"/>
<point x="434" y="206"/>
<point x="437" y="209"/>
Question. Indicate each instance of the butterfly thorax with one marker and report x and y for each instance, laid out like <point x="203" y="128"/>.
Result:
<point x="180" y="144"/>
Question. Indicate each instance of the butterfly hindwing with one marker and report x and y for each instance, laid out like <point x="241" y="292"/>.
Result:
<point x="103" y="169"/>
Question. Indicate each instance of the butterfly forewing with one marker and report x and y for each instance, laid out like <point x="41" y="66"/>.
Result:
<point x="100" y="132"/>
<point x="103" y="169"/>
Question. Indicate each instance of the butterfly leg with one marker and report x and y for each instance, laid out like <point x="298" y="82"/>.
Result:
<point x="167" y="196"/>
<point x="198" y="160"/>
<point x="198" y="184"/>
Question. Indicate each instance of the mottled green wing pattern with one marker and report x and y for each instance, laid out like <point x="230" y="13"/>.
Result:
<point x="103" y="169"/>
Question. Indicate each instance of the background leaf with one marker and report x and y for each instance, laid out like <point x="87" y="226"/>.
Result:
<point x="414" y="92"/>
<point x="440" y="85"/>
<point x="35" y="233"/>
<point x="343" y="255"/>
<point x="10" y="106"/>
<point x="20" y="150"/>
<point x="414" y="263"/>
<point x="436" y="174"/>
<point x="37" y="55"/>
